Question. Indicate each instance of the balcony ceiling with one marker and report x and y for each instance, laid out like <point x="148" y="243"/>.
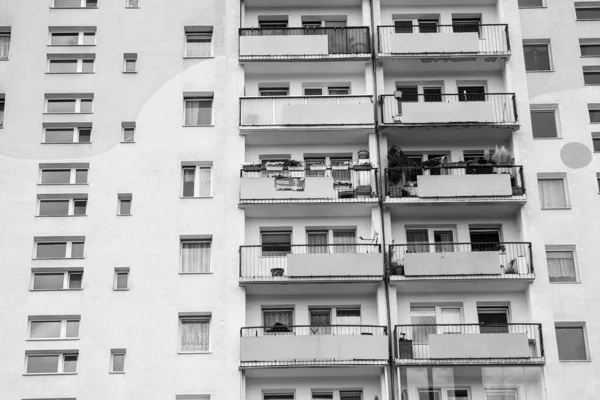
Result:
<point x="303" y="289"/>
<point x="292" y="373"/>
<point x="303" y="3"/>
<point x="458" y="285"/>
<point x="467" y="209"/>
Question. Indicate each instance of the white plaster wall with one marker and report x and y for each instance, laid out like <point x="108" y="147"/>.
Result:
<point x="295" y="14"/>
<point x="298" y="81"/>
<point x="489" y="14"/>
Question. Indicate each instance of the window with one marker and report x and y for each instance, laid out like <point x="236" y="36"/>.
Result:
<point x="195" y="256"/>
<point x="4" y="42"/>
<point x="431" y="239"/>
<point x="194" y="333"/>
<point x="471" y="93"/>
<point x="62" y="205"/>
<point x="124" y="203"/>
<point x="121" y="279"/>
<point x="537" y="56"/>
<point x="117" y="361"/>
<point x="57" y="280"/>
<point x="531" y="3"/>
<point x="49" y="247"/>
<point x="553" y="191"/>
<point x="57" y="133"/>
<point x="572" y="341"/>
<point x="322" y="396"/>
<point x="51" y="362"/>
<point x="561" y="263"/>
<point x="198" y="41"/>
<point x="272" y="22"/>
<point x="197" y="180"/>
<point x="594" y="113"/>
<point x="64" y="174"/>
<point x="403" y="26"/>
<point x="596" y="141"/>
<point x="591" y="75"/>
<point x="75" y="4"/>
<point x="128" y="132"/>
<point x="543" y="121"/>
<point x="65" y="103"/>
<point x="48" y="327"/>
<point x="461" y="25"/>
<point x="132" y="4"/>
<point x="276" y="243"/>
<point x="1" y="110"/>
<point x="350" y="395"/>
<point x="278" y="316"/>
<point x="329" y="91"/>
<point x="589" y="47"/>
<point x="432" y="94"/>
<point x="192" y="397"/>
<point x="72" y="36"/>
<point x="587" y="11"/>
<point x="409" y="94"/>
<point x="428" y="25"/>
<point x="198" y="111"/>
<point x="130" y="63"/>
<point x="275" y="91"/>
<point x="278" y="396"/>
<point x="501" y="394"/>
<point x="71" y="63"/>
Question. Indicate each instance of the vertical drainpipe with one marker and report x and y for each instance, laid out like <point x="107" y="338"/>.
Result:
<point x="386" y="276"/>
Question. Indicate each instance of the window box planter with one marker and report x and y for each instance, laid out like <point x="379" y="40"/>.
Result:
<point x="339" y="167"/>
<point x="363" y="167"/>
<point x="318" y="167"/>
<point x="296" y="168"/>
<point x="274" y="167"/>
<point x="276" y="272"/>
<point x="252" y="168"/>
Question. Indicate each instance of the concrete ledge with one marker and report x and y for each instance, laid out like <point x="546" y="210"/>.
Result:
<point x="485" y="345"/>
<point x="452" y="263"/>
<point x="343" y="264"/>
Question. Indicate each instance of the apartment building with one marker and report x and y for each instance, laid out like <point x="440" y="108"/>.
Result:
<point x="283" y="200"/>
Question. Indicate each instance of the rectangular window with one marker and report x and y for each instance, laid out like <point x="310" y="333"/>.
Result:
<point x="75" y="4"/>
<point x="130" y="63"/>
<point x="4" y="43"/>
<point x="471" y="93"/>
<point x="58" y="104"/>
<point x="46" y="248"/>
<point x="132" y="4"/>
<point x="594" y="113"/>
<point x="117" y="360"/>
<point x="596" y="141"/>
<point x="78" y="64"/>
<point x="198" y="41"/>
<point x="272" y="23"/>
<point x="561" y="264"/>
<point x="62" y="207"/>
<point x="72" y="37"/>
<point x="501" y="394"/>
<point x="194" y="334"/>
<point x="124" y="203"/>
<point x="121" y="279"/>
<point x="531" y="3"/>
<point x="197" y="181"/>
<point x="403" y="26"/>
<point x="278" y="317"/>
<point x="44" y="363"/>
<point x="537" y="56"/>
<point x="53" y="328"/>
<point x="273" y="91"/>
<point x="428" y="25"/>
<point x="63" y="135"/>
<point x="57" y="280"/>
<point x="322" y="395"/>
<point x="543" y="122"/>
<point x="587" y="11"/>
<point x="198" y="111"/>
<point x="195" y="256"/>
<point x="1" y="109"/>
<point x="553" y="193"/>
<point x="591" y="75"/>
<point x="462" y="25"/>
<point x="432" y="94"/>
<point x="409" y="94"/>
<point x="350" y="395"/>
<point x="571" y="340"/>
<point x="589" y="49"/>
<point x="64" y="176"/>
<point x="276" y="243"/>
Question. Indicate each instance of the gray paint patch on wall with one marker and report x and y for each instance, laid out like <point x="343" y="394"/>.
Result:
<point x="575" y="155"/>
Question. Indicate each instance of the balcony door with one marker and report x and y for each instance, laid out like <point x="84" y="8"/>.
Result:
<point x="485" y="239"/>
<point x="344" y="241"/>
<point x="471" y="93"/>
<point x="493" y="319"/>
<point x="317" y="242"/>
<point x="278" y="321"/>
<point x="434" y="320"/>
<point x="320" y="321"/>
<point x="430" y="240"/>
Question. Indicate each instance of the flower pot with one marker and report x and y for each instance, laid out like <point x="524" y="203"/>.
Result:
<point x="366" y="167"/>
<point x="276" y="271"/>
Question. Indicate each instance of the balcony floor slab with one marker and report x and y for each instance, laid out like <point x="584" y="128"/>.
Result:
<point x="462" y="283"/>
<point x="458" y="207"/>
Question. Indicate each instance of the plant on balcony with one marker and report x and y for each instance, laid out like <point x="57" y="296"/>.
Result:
<point x="363" y="166"/>
<point x="342" y="183"/>
<point x="502" y="156"/>
<point x="396" y="268"/>
<point x="274" y="165"/>
<point x="400" y="172"/>
<point x="276" y="272"/>
<point x="318" y="167"/>
<point x="511" y="268"/>
<point x="296" y="165"/>
<point x="278" y="327"/>
<point x="341" y="165"/>
<point x="252" y="167"/>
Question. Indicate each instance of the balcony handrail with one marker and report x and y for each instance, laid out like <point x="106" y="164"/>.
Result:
<point x="475" y="324"/>
<point x="302" y="28"/>
<point x="374" y="246"/>
<point x="417" y="25"/>
<point x="456" y="94"/>
<point x="345" y="96"/>
<point x="286" y="168"/>
<point x="446" y="166"/>
<point x="308" y="330"/>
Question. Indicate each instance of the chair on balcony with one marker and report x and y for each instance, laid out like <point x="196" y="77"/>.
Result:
<point x="363" y="190"/>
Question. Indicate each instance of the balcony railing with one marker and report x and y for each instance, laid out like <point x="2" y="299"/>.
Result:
<point x="306" y="111"/>
<point x="329" y="262"/>
<point x="310" y="330"/>
<point x="437" y="40"/>
<point x="311" y="43"/>
<point x="446" y="259"/>
<point x="327" y="184"/>
<point x="454" y="108"/>
<point x="469" y="343"/>
<point x="456" y="180"/>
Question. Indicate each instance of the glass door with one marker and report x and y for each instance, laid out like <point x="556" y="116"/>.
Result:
<point x="320" y="322"/>
<point x="493" y="319"/>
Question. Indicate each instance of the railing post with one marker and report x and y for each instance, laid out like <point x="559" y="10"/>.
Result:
<point x="522" y="179"/>
<point x="514" y="100"/>
<point x="507" y="37"/>
<point x="530" y="257"/>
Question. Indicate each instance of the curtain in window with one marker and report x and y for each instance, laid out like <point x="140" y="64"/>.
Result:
<point x="282" y="316"/>
<point x="552" y="193"/>
<point x="561" y="265"/>
<point x="195" y="257"/>
<point x="320" y="322"/>
<point x="345" y="242"/>
<point x="418" y="241"/>
<point x="4" y="46"/>
<point x="199" y="44"/>
<point x="189" y="175"/>
<point x="442" y="240"/>
<point x="347" y="317"/>
<point x="204" y="186"/>
<point x="317" y="242"/>
<point x="537" y="57"/>
<point x="198" y="112"/>
<point x="350" y="395"/>
<point x="194" y="335"/>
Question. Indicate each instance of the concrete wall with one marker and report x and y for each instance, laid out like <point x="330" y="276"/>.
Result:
<point x="434" y="43"/>
<point x="306" y="78"/>
<point x="489" y="13"/>
<point x="334" y="264"/>
<point x="489" y="345"/>
<point x="494" y="82"/>
<point x="464" y="185"/>
<point x="460" y="263"/>
<point x="283" y="45"/>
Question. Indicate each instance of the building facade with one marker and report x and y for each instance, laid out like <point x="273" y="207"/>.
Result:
<point x="268" y="200"/>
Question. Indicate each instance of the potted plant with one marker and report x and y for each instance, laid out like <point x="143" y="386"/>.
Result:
<point x="363" y="166"/>
<point x="342" y="183"/>
<point x="274" y="165"/>
<point x="276" y="271"/>
<point x="343" y="165"/>
<point x="296" y="165"/>
<point x="502" y="156"/>
<point x="278" y="327"/>
<point x="252" y="167"/>
<point x="396" y="268"/>
<point x="483" y="165"/>
<point x="400" y="169"/>
<point x="511" y="268"/>
<point x="318" y="167"/>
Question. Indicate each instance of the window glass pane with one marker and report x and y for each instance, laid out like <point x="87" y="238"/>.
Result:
<point x="64" y="39"/>
<point x="89" y="38"/>
<point x="195" y="256"/>
<point x="48" y="281"/>
<point x="75" y="279"/>
<point x="87" y="66"/>
<point x="81" y="176"/>
<point x="276" y="243"/>
<point x="544" y="123"/>
<point x="194" y="335"/>
<point x="132" y="3"/>
<point x="350" y="395"/>
<point x="552" y="193"/>
<point x="91" y="3"/>
<point x="72" y="329"/>
<point x="4" y="46"/>
<point x="531" y="3"/>
<point x="204" y="187"/>
<point x="63" y="66"/>
<point x="70" y="363"/>
<point x="348" y="316"/>
<point x="79" y="207"/>
<point x="537" y="57"/>
<point x="128" y="135"/>
<point x="59" y="135"/>
<point x="56" y="176"/>
<point x="125" y="207"/>
<point x="345" y="241"/>
<point x="596" y="144"/>
<point x="118" y="362"/>
<point x="403" y="26"/>
<point x="51" y="250"/>
<point x="594" y="115"/>
<point x="45" y="329"/>
<point x="198" y="112"/>
<point x="571" y="343"/>
<point x="122" y="278"/>
<point x="42" y="364"/>
<point x="313" y="91"/>
<point x="67" y="3"/>
<point x="588" y="13"/>
<point x="77" y="250"/>
<point x="189" y="176"/>
<point x="561" y="266"/>
<point x="54" y="207"/>
<point x="590" y="50"/>
<point x="85" y="135"/>
<point x="198" y="44"/>
<point x="130" y="65"/>
<point x="591" y="78"/>
<point x="86" y="105"/>
<point x="418" y="241"/>
<point x="61" y="106"/>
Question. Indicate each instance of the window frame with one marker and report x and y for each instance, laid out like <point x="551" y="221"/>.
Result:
<point x="591" y="70"/>
<point x="79" y="60"/>
<point x="549" y="177"/>
<point x="582" y="6"/>
<point x="198" y="32"/>
<point x="69" y="242"/>
<point x="72" y="174"/>
<point x="206" y="99"/>
<point x="77" y="108"/>
<point x="76" y="134"/>
<point x="70" y="208"/>
<point x="6" y="34"/>
<point x="113" y="353"/>
<point x="595" y="43"/>
<point x="64" y="320"/>
<point x="561" y="249"/>
<point x="574" y="325"/>
<point x="61" y="354"/>
<point x="197" y="170"/>
<point x="546" y="108"/>
<point x="195" y="240"/>
<point x="203" y="317"/>
<point x="83" y="4"/>
<point x="534" y="7"/>
<point x="81" y="33"/>
<point x="124" y="197"/>
<point x="67" y="274"/>
<point x="130" y="57"/>
<point x="121" y="271"/>
<point x="540" y="42"/>
<point x="128" y="4"/>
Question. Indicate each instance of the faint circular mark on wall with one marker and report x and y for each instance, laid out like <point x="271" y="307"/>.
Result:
<point x="575" y="155"/>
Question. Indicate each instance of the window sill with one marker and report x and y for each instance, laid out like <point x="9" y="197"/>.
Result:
<point x="121" y="290"/>
<point x="58" y="258"/>
<point x="55" y="290"/>
<point x="591" y="84"/>
<point x="127" y="142"/>
<point x="60" y="216"/>
<point x="195" y="273"/>
<point x="539" y="71"/>
<point x="117" y="373"/>
<point x="71" y="45"/>
<point x="195" y="198"/>
<point x="132" y="8"/>
<point x="598" y="56"/>
<point x="194" y="352"/>
<point x="73" y="8"/>
<point x="591" y="19"/>
<point x="532" y="7"/>
<point x="63" y="184"/>
<point x="67" y="113"/>
<point x="65" y="142"/>
<point x="557" y="208"/>
<point x="197" y="126"/>
<point x="565" y="283"/>
<point x="574" y="361"/>
<point x="547" y="138"/>
<point x="197" y="57"/>
<point x="130" y="72"/>
<point x="70" y="73"/>
<point x="50" y="339"/>
<point x="50" y="373"/>
<point x="124" y="215"/>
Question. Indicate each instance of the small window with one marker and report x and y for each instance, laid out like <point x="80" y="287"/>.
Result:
<point x="273" y="91"/>
<point x="67" y="280"/>
<point x="198" y="41"/>
<point x="81" y="37"/>
<point x="589" y="47"/>
<point x="194" y="334"/>
<point x="121" y="279"/>
<point x="571" y="340"/>
<point x="587" y="11"/>
<point x="4" y="43"/>
<point x="132" y="4"/>
<point x="124" y="207"/>
<point x="544" y="123"/>
<point x="561" y="264"/>
<point x="322" y="395"/>
<point x="1" y="110"/>
<point x="594" y="113"/>
<point x="403" y="26"/>
<point x="63" y="176"/>
<point x="591" y="76"/>
<point x="272" y="23"/>
<point x="128" y="132"/>
<point x="428" y="25"/>
<point x="62" y="105"/>
<point x="47" y="248"/>
<point x="75" y="4"/>
<point x="278" y="396"/>
<point x="313" y="91"/>
<point x="553" y="193"/>
<point x="537" y="56"/>
<point x="596" y="141"/>
<point x="45" y="363"/>
<point x="64" y="135"/>
<point x="53" y="328"/>
<point x="197" y="181"/>
<point x="130" y="63"/>
<point x="276" y="243"/>
<point x="409" y="94"/>
<point x="62" y="207"/>
<point x="198" y="111"/>
<point x="338" y="90"/>
<point x="350" y="395"/>
<point x="195" y="256"/>
<point x="117" y="361"/>
<point x="531" y="3"/>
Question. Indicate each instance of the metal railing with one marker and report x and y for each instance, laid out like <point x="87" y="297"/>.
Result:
<point x="270" y="261"/>
<point x="340" y="40"/>
<point x="264" y="111"/>
<point x="514" y="258"/>
<point x="504" y="106"/>
<point x="493" y="38"/>
<point x="412" y="341"/>
<point x="402" y="182"/>
<point x="313" y="330"/>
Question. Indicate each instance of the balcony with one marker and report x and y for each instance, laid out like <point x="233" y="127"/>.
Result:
<point x="287" y="112"/>
<point x="339" y="43"/>
<point x="451" y="344"/>
<point x="311" y="263"/>
<point x="444" y="41"/>
<point x="313" y="345"/>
